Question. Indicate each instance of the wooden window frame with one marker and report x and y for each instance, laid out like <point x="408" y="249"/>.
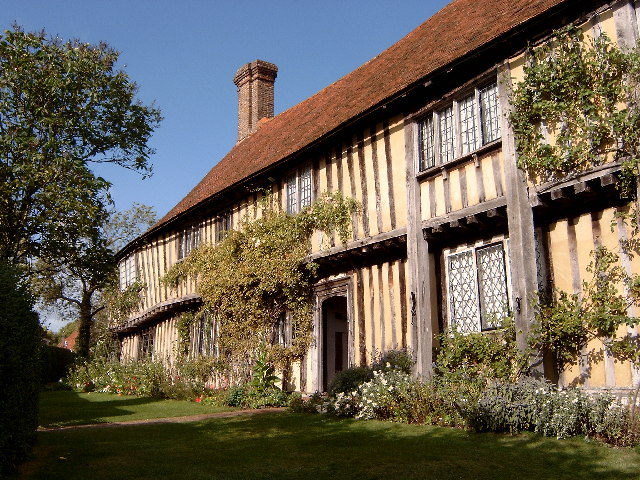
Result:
<point x="440" y="132"/>
<point x="299" y="189"/>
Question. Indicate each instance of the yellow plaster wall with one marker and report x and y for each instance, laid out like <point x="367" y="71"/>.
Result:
<point x="560" y="253"/>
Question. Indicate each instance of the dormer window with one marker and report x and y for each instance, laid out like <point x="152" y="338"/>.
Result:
<point x="128" y="271"/>
<point x="299" y="189"/>
<point x="459" y="128"/>
<point x="188" y="240"/>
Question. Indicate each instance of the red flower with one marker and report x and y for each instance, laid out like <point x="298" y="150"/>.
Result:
<point x="198" y="400"/>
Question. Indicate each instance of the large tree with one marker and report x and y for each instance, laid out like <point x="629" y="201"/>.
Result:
<point x="73" y="279"/>
<point x="63" y="105"/>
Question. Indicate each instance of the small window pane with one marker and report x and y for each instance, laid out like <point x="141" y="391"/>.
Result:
<point x="427" y="147"/>
<point x="305" y="187"/>
<point x="463" y="300"/>
<point x="447" y="142"/>
<point x="292" y="194"/>
<point x="468" y="124"/>
<point x="489" y="114"/>
<point x="492" y="280"/>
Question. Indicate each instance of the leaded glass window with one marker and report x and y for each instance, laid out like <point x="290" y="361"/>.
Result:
<point x="492" y="285"/>
<point x="477" y="288"/>
<point x="427" y="150"/>
<point x="463" y="299"/>
<point x="299" y="190"/>
<point x="224" y="223"/>
<point x="188" y="240"/>
<point x="447" y="138"/>
<point x="460" y="128"/>
<point x="305" y="188"/>
<point x="292" y="193"/>
<point x="146" y="343"/>
<point x="490" y="114"/>
<point x="128" y="271"/>
<point x="468" y="124"/>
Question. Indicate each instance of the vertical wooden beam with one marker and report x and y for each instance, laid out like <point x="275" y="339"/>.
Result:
<point x="387" y="155"/>
<point x="376" y="176"/>
<point x="624" y="16"/>
<point x="417" y="258"/>
<point x="520" y="225"/>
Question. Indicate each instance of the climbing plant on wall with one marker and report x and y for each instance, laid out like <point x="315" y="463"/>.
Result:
<point x="258" y="275"/>
<point x="577" y="107"/>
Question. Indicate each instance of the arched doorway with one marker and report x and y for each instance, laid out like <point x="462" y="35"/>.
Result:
<point x="335" y="338"/>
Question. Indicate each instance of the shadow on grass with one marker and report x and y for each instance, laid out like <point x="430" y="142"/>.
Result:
<point x="289" y="446"/>
<point x="67" y="408"/>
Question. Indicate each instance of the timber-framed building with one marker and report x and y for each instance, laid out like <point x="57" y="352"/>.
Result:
<point x="452" y="233"/>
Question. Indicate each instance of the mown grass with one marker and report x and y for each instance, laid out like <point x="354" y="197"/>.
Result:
<point x="65" y="408"/>
<point x="294" y="446"/>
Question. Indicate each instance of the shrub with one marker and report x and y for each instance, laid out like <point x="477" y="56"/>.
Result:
<point x="538" y="406"/>
<point x="19" y="369"/>
<point x="401" y="360"/>
<point x="379" y="397"/>
<point x="55" y="362"/>
<point x="314" y="404"/>
<point x="350" y="379"/>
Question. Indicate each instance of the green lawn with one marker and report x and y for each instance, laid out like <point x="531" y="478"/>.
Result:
<point x="297" y="446"/>
<point x="64" y="408"/>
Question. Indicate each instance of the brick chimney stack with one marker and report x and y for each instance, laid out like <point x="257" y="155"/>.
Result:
<point x="255" y="95"/>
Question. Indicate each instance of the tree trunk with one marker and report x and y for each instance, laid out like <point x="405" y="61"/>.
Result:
<point x="84" y="328"/>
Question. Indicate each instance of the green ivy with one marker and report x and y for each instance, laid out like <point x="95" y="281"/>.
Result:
<point x="259" y="273"/>
<point x="121" y="303"/>
<point x="583" y="93"/>
<point x="185" y="322"/>
<point x="568" y="322"/>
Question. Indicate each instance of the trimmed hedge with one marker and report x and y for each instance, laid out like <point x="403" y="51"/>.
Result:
<point x="55" y="363"/>
<point x="19" y="370"/>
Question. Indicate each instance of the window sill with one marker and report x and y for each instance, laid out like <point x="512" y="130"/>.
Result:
<point x="431" y="171"/>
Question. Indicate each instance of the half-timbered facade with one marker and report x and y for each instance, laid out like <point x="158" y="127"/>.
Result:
<point x="451" y="234"/>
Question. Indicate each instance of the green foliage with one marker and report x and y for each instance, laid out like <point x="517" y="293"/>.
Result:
<point x="394" y="360"/>
<point x="258" y="274"/>
<point x="55" y="362"/>
<point x="120" y="303"/>
<point x="263" y="377"/>
<point x="584" y="94"/>
<point x="62" y="105"/>
<point x="480" y="357"/>
<point x="567" y="323"/>
<point x="538" y="406"/>
<point x="19" y="369"/>
<point x="185" y="323"/>
<point x="349" y="379"/>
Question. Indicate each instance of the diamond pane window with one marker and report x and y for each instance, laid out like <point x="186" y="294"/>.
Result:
<point x="492" y="283"/>
<point x="489" y="114"/>
<point x="477" y="288"/>
<point x="463" y="299"/>
<point x="468" y="124"/>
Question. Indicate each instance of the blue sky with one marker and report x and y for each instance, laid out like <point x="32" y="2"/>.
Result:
<point x="183" y="55"/>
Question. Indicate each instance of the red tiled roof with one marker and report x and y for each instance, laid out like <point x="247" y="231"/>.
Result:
<point x="456" y="30"/>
